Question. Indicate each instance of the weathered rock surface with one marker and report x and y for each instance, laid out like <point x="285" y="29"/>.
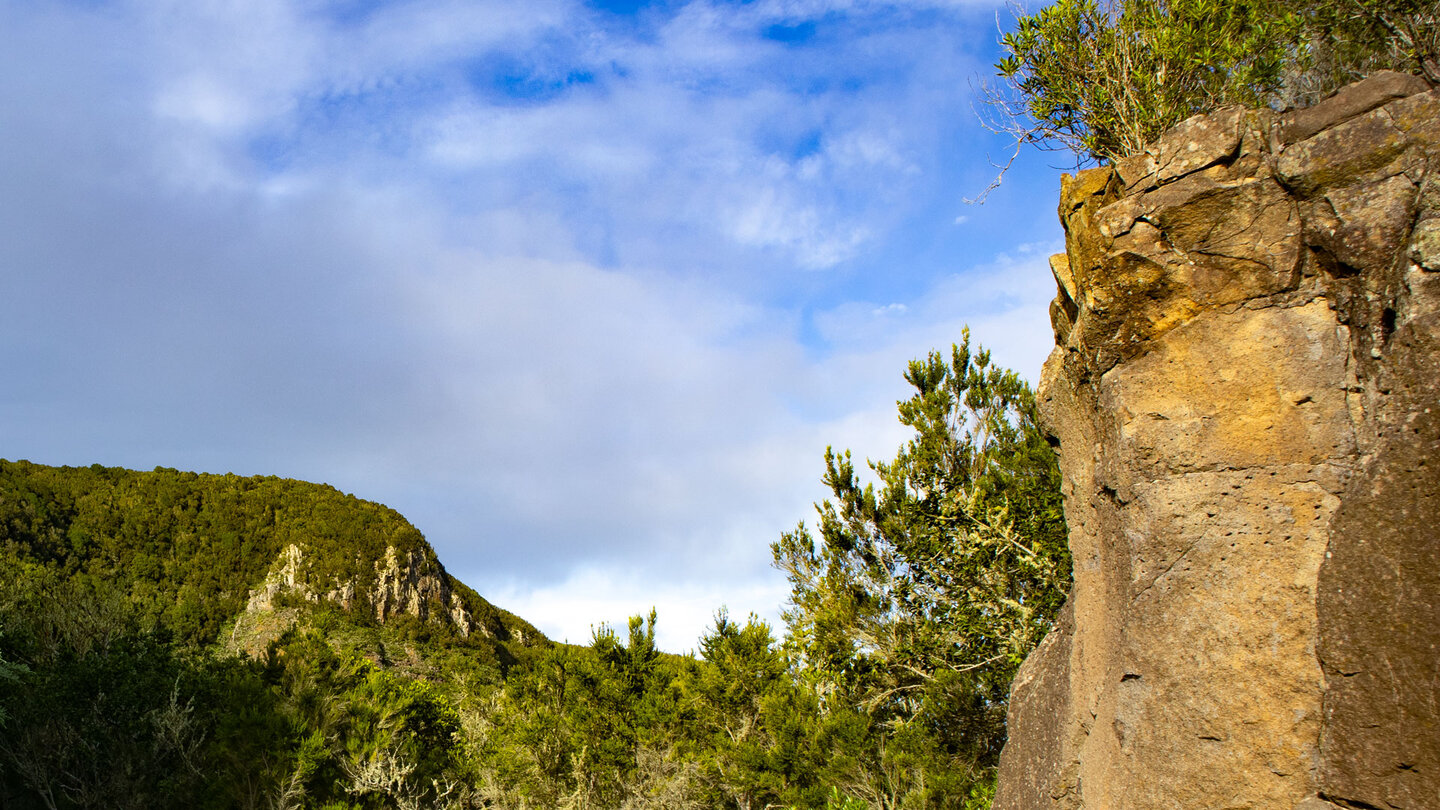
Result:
<point x="1246" y="392"/>
<point x="417" y="586"/>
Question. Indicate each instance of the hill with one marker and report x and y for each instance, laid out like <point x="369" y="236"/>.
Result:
<point x="238" y="560"/>
<point x="174" y="639"/>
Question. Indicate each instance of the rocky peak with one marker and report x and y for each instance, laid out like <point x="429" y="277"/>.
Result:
<point x="284" y="577"/>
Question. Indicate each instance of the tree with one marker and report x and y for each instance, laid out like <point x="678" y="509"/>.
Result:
<point x="10" y="673"/>
<point x="360" y="732"/>
<point x="756" y="726"/>
<point x="1103" y="78"/>
<point x="112" y="728"/>
<point x="1347" y="39"/>
<point x="592" y="727"/>
<point x="921" y="598"/>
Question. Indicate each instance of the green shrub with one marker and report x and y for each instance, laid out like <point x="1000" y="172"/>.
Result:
<point x="1103" y="78"/>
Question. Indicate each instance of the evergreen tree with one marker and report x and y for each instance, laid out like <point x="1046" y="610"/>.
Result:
<point x="757" y="728"/>
<point x="920" y="598"/>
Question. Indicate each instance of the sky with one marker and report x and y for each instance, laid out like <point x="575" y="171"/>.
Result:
<point x="582" y="289"/>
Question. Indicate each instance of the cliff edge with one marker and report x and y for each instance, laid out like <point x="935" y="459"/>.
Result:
<point x="1246" y="393"/>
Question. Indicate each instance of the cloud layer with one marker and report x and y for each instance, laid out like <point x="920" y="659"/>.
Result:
<point x="583" y="293"/>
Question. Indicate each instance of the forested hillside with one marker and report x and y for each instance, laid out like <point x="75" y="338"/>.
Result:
<point x="188" y="549"/>
<point x="171" y="639"/>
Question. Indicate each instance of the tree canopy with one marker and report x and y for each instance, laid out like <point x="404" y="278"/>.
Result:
<point x="920" y="598"/>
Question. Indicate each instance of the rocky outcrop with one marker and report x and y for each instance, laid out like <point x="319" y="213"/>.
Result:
<point x="1246" y="394"/>
<point x="416" y="585"/>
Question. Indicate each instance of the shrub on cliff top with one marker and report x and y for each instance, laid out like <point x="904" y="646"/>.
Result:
<point x="1103" y="78"/>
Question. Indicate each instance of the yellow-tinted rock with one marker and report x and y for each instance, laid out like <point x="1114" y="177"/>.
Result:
<point x="1246" y="390"/>
<point x="1235" y="390"/>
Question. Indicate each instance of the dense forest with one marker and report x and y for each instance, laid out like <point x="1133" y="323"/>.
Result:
<point x="139" y="668"/>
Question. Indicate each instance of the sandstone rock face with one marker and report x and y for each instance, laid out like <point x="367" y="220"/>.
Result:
<point x="1246" y="392"/>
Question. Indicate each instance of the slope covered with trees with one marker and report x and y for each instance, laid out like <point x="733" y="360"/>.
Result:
<point x="116" y="686"/>
<point x="188" y="549"/>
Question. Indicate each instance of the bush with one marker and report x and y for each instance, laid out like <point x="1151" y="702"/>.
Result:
<point x="1102" y="78"/>
<point x="1349" y="39"/>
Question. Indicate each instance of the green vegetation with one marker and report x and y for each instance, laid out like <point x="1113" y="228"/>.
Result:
<point x="618" y="724"/>
<point x="186" y="548"/>
<point x="922" y="598"/>
<point x="114" y="717"/>
<point x="1103" y="78"/>
<point x="122" y="683"/>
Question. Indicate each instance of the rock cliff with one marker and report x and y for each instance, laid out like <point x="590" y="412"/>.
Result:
<point x="418" y="587"/>
<point x="414" y="584"/>
<point x="1246" y="394"/>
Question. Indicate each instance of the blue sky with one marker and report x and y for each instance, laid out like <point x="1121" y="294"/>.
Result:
<point x="582" y="289"/>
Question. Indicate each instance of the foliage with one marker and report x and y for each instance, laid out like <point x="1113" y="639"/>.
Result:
<point x="117" y="585"/>
<point x="596" y="726"/>
<point x="9" y="673"/>
<point x="1347" y="39"/>
<point x="185" y="549"/>
<point x="761" y="733"/>
<point x="366" y="737"/>
<point x="617" y="724"/>
<point x="1103" y="78"/>
<point x="921" y="598"/>
<point x="115" y="693"/>
<point x="105" y="714"/>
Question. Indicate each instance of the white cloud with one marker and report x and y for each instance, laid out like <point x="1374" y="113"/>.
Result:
<point x="202" y="100"/>
<point x="809" y="9"/>
<point x="1004" y="303"/>
<point x="766" y="218"/>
